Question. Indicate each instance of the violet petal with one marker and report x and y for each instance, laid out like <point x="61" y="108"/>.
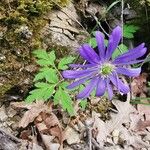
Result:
<point x="78" y="82"/>
<point x="109" y="89"/>
<point x="124" y="88"/>
<point x="101" y="87"/>
<point x="100" y="43"/>
<point x="89" y="54"/>
<point x="128" y="62"/>
<point x="129" y="72"/>
<point x="88" y="89"/>
<point x="81" y="66"/>
<point x="113" y="42"/>
<point x="72" y="74"/>
<point x="131" y="54"/>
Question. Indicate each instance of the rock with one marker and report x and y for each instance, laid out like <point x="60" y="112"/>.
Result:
<point x="115" y="135"/>
<point x="3" y="115"/>
<point x="109" y="141"/>
<point x="8" y="141"/>
<point x="11" y="112"/>
<point x="71" y="136"/>
<point x="63" y="29"/>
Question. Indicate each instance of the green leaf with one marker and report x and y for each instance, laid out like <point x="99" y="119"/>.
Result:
<point x="42" y="85"/>
<point x="41" y="54"/>
<point x="120" y="50"/>
<point x="92" y="42"/>
<point x="64" y="62"/>
<point x="43" y="91"/>
<point x="63" y="98"/>
<point x="83" y="104"/>
<point x="44" y="58"/>
<point x="64" y="84"/>
<point x="48" y="73"/>
<point x="129" y="30"/>
<point x="48" y="92"/>
<point x="35" y="95"/>
<point x="52" y="56"/>
<point x="43" y="62"/>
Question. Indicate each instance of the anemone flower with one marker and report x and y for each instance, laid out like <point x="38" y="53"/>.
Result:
<point x="102" y="73"/>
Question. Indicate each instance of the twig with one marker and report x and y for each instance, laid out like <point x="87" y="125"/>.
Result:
<point x="88" y="124"/>
<point x="96" y="144"/>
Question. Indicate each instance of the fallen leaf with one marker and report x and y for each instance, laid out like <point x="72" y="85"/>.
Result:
<point x="134" y="119"/>
<point x="138" y="84"/>
<point x="49" y="123"/>
<point x="47" y="140"/>
<point x="141" y="125"/>
<point x="132" y="139"/>
<point x="25" y="134"/>
<point x="34" y="110"/>
<point x="144" y="110"/>
<point x="124" y="109"/>
<point x="71" y="136"/>
<point x="100" y="128"/>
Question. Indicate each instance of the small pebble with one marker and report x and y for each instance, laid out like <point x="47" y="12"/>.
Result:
<point x="115" y="135"/>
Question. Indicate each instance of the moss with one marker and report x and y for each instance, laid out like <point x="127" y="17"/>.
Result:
<point x="5" y="88"/>
<point x="103" y="108"/>
<point x="20" y="24"/>
<point x="26" y="12"/>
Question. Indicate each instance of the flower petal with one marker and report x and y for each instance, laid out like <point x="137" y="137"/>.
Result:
<point x="129" y="72"/>
<point x="109" y="89"/>
<point x="131" y="54"/>
<point x="78" y="82"/>
<point x="72" y="74"/>
<point x="81" y="66"/>
<point x="89" y="54"/>
<point x="101" y="87"/>
<point x="100" y="43"/>
<point x="124" y="88"/>
<point x="88" y="89"/>
<point x="129" y="62"/>
<point x="114" y="40"/>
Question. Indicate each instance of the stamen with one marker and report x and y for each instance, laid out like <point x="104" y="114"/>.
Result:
<point x="106" y="69"/>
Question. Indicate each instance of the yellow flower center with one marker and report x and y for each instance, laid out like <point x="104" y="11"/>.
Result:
<point x="106" y="69"/>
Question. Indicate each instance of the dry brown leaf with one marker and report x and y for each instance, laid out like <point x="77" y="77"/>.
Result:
<point x="21" y="105"/>
<point x="134" y="119"/>
<point x="138" y="84"/>
<point x="100" y="128"/>
<point x="144" y="110"/>
<point x="34" y="110"/>
<point x="124" y="109"/>
<point x="71" y="136"/>
<point x="25" y="134"/>
<point x="141" y="125"/>
<point x="47" y="140"/>
<point x="49" y="124"/>
<point x="132" y="139"/>
<point x="57" y="131"/>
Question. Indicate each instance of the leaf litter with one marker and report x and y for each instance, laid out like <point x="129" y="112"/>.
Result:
<point x="43" y="128"/>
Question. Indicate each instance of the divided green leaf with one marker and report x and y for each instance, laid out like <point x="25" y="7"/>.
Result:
<point x="44" y="58"/>
<point x="63" y="64"/>
<point x="120" y="50"/>
<point x="63" y="98"/>
<point x="47" y="73"/>
<point x="92" y="42"/>
<point x="129" y="30"/>
<point x="83" y="104"/>
<point x="43" y="91"/>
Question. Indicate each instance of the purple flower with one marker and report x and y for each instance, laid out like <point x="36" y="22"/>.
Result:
<point x="101" y="72"/>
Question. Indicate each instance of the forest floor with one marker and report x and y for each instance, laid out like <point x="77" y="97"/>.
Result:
<point x="119" y="124"/>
